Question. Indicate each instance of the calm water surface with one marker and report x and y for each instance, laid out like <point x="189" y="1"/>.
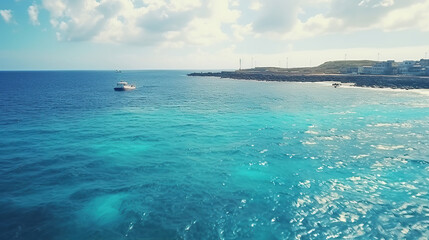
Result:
<point x="208" y="158"/>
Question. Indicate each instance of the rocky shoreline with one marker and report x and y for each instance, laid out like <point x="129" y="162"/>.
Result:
<point x="376" y="81"/>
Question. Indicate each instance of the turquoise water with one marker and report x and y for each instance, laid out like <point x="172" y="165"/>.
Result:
<point x="209" y="158"/>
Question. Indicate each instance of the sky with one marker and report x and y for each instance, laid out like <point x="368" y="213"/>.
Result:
<point x="207" y="34"/>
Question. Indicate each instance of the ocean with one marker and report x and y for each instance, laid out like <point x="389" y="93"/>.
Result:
<point x="208" y="158"/>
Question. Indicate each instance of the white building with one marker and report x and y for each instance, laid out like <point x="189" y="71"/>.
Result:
<point x="382" y="68"/>
<point x="364" y="70"/>
<point x="405" y="66"/>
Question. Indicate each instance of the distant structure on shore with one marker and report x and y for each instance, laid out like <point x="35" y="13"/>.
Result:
<point x="409" y="67"/>
<point x="362" y="73"/>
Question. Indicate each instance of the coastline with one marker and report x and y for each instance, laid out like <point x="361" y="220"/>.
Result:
<point x="370" y="81"/>
<point x="420" y="91"/>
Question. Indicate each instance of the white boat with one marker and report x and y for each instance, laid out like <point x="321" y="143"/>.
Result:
<point x="124" y="86"/>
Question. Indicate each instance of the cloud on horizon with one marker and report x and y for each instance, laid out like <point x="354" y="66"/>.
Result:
<point x="146" y="22"/>
<point x="6" y="15"/>
<point x="174" y="23"/>
<point x="33" y="13"/>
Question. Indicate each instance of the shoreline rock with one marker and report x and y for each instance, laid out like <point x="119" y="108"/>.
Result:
<point x="377" y="81"/>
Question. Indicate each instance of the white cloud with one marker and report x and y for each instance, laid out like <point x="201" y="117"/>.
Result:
<point x="312" y="2"/>
<point x="183" y="5"/>
<point x="241" y="32"/>
<point x="216" y="33"/>
<point x="376" y="3"/>
<point x="255" y="6"/>
<point x="414" y="16"/>
<point x="276" y="16"/>
<point x="55" y="7"/>
<point x="363" y="2"/>
<point x="146" y="23"/>
<point x="6" y="15"/>
<point x="221" y="12"/>
<point x="33" y="13"/>
<point x="180" y="23"/>
<point x="385" y="3"/>
<point x="314" y="26"/>
<point x="353" y="16"/>
<point x="203" y="31"/>
<point x="208" y="30"/>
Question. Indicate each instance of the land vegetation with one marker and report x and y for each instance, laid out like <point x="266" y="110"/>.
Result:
<point x="329" y="71"/>
<point x="332" y="67"/>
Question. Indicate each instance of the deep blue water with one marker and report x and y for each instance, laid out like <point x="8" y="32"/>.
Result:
<point x="206" y="158"/>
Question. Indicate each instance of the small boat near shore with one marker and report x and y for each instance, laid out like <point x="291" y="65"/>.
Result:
<point x="124" y="86"/>
<point x="335" y="85"/>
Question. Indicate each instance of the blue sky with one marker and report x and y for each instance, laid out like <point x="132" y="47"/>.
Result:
<point x="207" y="34"/>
